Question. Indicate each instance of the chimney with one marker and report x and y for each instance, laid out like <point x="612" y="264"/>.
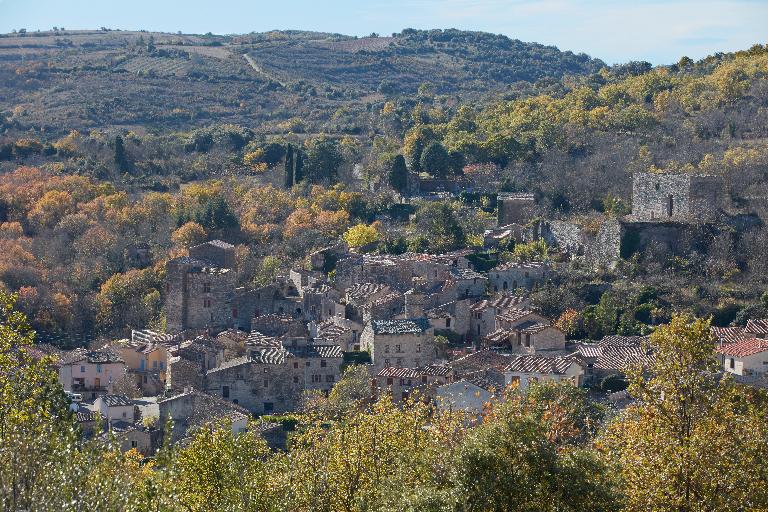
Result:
<point x="414" y="304"/>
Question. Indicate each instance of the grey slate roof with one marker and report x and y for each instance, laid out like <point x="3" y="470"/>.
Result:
<point x="400" y="326"/>
<point x="116" y="400"/>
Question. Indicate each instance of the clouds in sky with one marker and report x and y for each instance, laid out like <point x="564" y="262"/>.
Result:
<point x="613" y="30"/>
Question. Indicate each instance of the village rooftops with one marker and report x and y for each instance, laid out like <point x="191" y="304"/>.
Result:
<point x="532" y="265"/>
<point x="744" y="347"/>
<point x="513" y="315"/>
<point x="91" y="356"/>
<point x="759" y="327"/>
<point x="434" y="370"/>
<point x="362" y="291"/>
<point x="540" y="364"/>
<point x="729" y="334"/>
<point x="151" y="337"/>
<point x="465" y="274"/>
<point x="257" y="339"/>
<point x="116" y="400"/>
<point x="208" y="408"/>
<point x="617" y="352"/>
<point x="504" y="302"/>
<point x="199" y="266"/>
<point x="479" y="361"/>
<point x="401" y="326"/>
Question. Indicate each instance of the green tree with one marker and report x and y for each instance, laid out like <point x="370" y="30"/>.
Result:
<point x="398" y="174"/>
<point x="323" y="159"/>
<point x="692" y="441"/>
<point x="437" y="225"/>
<point x="435" y="160"/>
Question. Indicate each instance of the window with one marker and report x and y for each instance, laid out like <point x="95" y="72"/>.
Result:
<point x="402" y="382"/>
<point x="732" y="363"/>
<point x="225" y="392"/>
<point x="82" y="369"/>
<point x="330" y="378"/>
<point x="295" y="365"/>
<point x="399" y="361"/>
<point x="386" y="362"/>
<point x="527" y="340"/>
<point x="206" y="287"/>
<point x="390" y="381"/>
<point x="125" y="414"/>
<point x="323" y="363"/>
<point x="206" y="303"/>
<point x="386" y="349"/>
<point x="398" y="349"/>
<point x="134" y="444"/>
<point x="447" y="322"/>
<point x="234" y="312"/>
<point x="424" y="379"/>
<point x="317" y="378"/>
<point x="418" y="347"/>
<point x="308" y="364"/>
<point x="162" y="365"/>
<point x="266" y="383"/>
<point x="527" y="274"/>
<point x="98" y="368"/>
<point x="154" y="365"/>
<point x="295" y="380"/>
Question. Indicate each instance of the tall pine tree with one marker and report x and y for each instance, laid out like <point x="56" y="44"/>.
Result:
<point x="289" y="167"/>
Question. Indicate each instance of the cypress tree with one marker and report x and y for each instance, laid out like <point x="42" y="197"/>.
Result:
<point x="289" y="167"/>
<point x="398" y="174"/>
<point x="120" y="160"/>
<point x="298" y="173"/>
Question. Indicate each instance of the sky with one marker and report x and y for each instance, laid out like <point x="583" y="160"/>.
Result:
<point x="613" y="30"/>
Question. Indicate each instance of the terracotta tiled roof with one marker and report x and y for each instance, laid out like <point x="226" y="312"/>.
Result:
<point x="759" y="326"/>
<point x="729" y="334"/>
<point x="743" y="347"/>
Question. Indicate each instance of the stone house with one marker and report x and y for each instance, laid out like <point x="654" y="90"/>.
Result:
<point x="744" y="357"/>
<point x="676" y="197"/>
<point x="115" y="408"/>
<point x="340" y="331"/>
<point x="513" y="275"/>
<point x="90" y="372"/>
<point x="183" y="374"/>
<point x="193" y="409"/>
<point x="400" y="383"/>
<point x="528" y="337"/>
<point x="321" y="302"/>
<point x="464" y="283"/>
<point x="402" y="343"/>
<point x="272" y="378"/>
<point x="526" y="369"/>
<point x="144" y="440"/>
<point x="483" y="313"/>
<point x="146" y="362"/>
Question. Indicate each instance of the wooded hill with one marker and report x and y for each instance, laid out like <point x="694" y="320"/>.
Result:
<point x="86" y="79"/>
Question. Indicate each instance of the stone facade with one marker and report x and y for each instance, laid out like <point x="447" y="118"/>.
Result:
<point x="515" y="208"/>
<point x="406" y="343"/>
<point x="197" y="294"/>
<point x="513" y="275"/>
<point x="676" y="197"/>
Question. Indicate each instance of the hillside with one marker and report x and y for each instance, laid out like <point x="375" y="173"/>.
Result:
<point x="56" y="81"/>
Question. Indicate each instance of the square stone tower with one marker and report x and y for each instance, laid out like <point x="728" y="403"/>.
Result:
<point x="676" y="197"/>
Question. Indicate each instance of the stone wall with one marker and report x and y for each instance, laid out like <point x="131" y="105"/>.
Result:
<point x="676" y="197"/>
<point x="515" y="208"/>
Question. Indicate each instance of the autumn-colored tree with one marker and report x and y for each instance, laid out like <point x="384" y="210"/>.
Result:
<point x="189" y="234"/>
<point x="693" y="440"/>
<point x="361" y="234"/>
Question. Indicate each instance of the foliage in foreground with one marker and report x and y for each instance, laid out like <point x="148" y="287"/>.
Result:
<point x="692" y="442"/>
